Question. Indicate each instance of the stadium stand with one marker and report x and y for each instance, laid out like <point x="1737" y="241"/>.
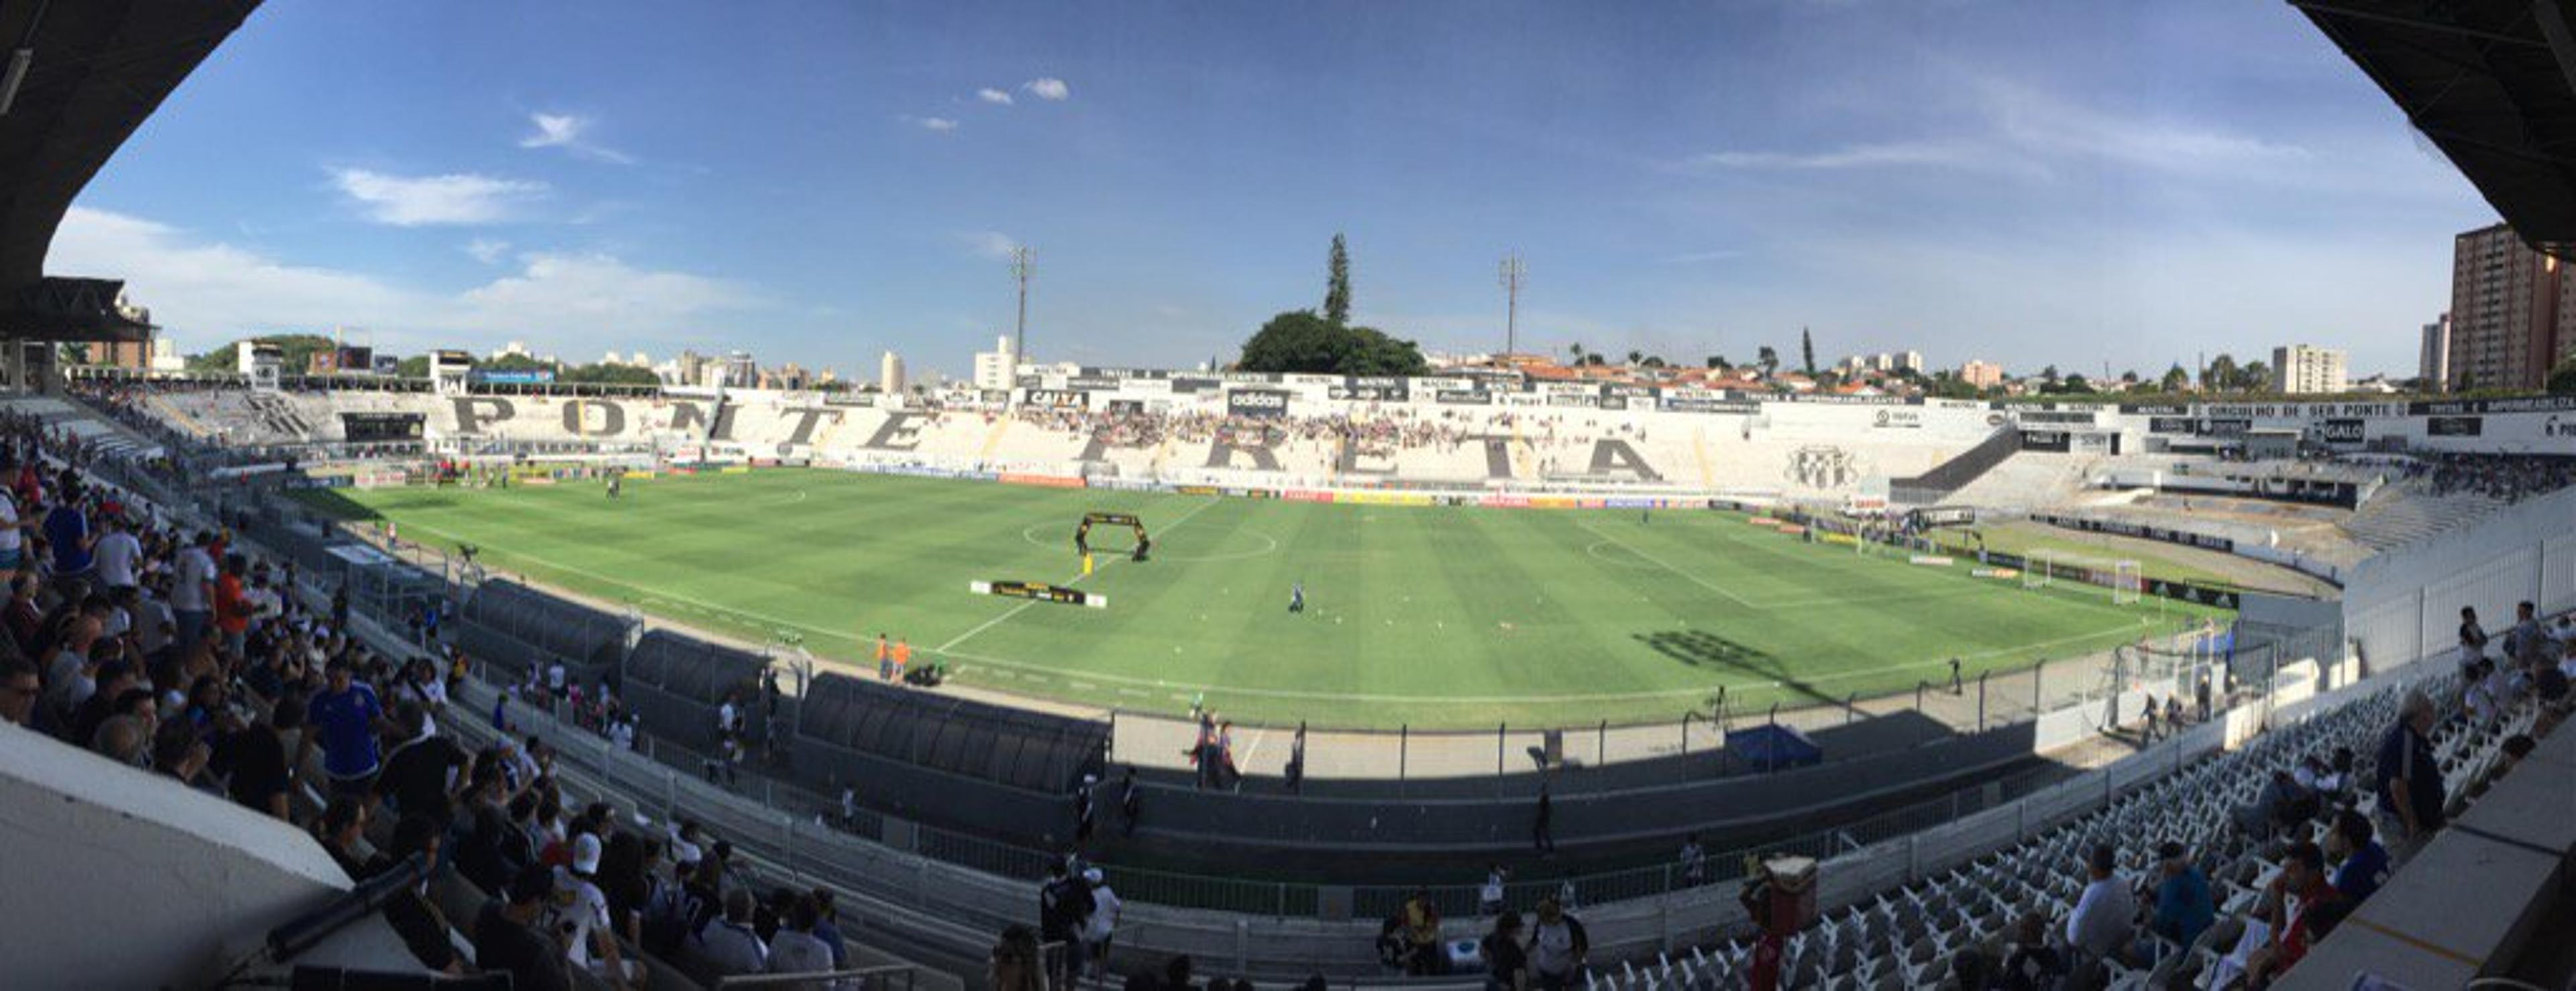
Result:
<point x="677" y="685"/>
<point x="858" y="727"/>
<point x="519" y="628"/>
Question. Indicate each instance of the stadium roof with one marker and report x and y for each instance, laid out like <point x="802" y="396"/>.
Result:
<point x="2491" y="82"/>
<point x="95" y="70"/>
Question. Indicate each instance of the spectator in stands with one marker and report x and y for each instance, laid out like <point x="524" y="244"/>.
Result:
<point x="343" y="827"/>
<point x="729" y="947"/>
<point x="827" y="927"/>
<point x="507" y="938"/>
<point x="1489" y="898"/>
<point x="2361" y="864"/>
<point x="2473" y="638"/>
<point x="25" y="618"/>
<point x="1101" y="925"/>
<point x="1694" y="862"/>
<point x="2523" y="641"/>
<point x="2183" y="904"/>
<point x="2031" y="963"/>
<point x="409" y="911"/>
<point x="2408" y="783"/>
<point x="425" y="773"/>
<point x="68" y="535"/>
<point x="1506" y="960"/>
<point x="1558" y="946"/>
<point x="795" y="949"/>
<point x="1176" y="974"/>
<point x="2300" y="888"/>
<point x="1064" y="908"/>
<point x="118" y="555"/>
<point x="232" y="605"/>
<point x="1422" y="935"/>
<point x="2106" y="913"/>
<point x="19" y="688"/>
<point x="343" y="724"/>
<point x="192" y="590"/>
<point x="12" y="543"/>
<point x="1014" y="964"/>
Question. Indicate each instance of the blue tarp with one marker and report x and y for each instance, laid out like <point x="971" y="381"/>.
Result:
<point x="1771" y="746"/>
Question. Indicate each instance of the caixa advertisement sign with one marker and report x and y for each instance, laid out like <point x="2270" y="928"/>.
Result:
<point x="1058" y="398"/>
<point x="1267" y="404"/>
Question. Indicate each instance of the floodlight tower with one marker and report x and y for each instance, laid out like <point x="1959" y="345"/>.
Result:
<point x="1020" y="271"/>
<point x="1514" y="272"/>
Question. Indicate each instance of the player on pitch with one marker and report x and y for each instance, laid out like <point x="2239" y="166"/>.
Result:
<point x="1297" y="597"/>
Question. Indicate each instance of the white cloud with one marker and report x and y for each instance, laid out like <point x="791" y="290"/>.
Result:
<point x="990" y="244"/>
<point x="487" y="250"/>
<point x="209" y="292"/>
<point x="991" y="95"/>
<point x="937" y="125"/>
<point x="597" y="293"/>
<point x="2041" y="124"/>
<point x="565" y="131"/>
<point x="457" y="198"/>
<point x="1047" y="88"/>
<point x="1858" y="156"/>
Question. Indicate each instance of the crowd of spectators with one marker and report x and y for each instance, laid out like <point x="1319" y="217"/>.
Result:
<point x="179" y="653"/>
<point x="2502" y="477"/>
<point x="2330" y="830"/>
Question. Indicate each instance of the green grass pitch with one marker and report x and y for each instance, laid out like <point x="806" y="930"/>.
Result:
<point x="1433" y="617"/>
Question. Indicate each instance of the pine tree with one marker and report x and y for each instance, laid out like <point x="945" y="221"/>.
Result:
<point x="1807" y="344"/>
<point x="1337" y="284"/>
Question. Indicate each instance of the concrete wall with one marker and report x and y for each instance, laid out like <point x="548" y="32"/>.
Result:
<point x="2406" y="604"/>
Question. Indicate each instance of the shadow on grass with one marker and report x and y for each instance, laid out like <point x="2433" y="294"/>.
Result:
<point x="1700" y="648"/>
<point x="330" y="503"/>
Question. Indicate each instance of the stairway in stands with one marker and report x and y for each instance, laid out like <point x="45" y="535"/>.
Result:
<point x="2405" y="512"/>
<point x="98" y="432"/>
<point x="279" y="416"/>
<point x="1952" y="475"/>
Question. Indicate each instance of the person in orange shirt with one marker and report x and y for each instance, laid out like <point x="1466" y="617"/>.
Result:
<point x="232" y="608"/>
<point x="902" y="657"/>
<point x="885" y="660"/>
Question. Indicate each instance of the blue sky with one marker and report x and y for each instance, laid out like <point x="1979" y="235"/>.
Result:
<point x="2041" y="182"/>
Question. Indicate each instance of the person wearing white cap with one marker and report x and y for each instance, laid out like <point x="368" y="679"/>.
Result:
<point x="1101" y="924"/>
<point x="581" y="913"/>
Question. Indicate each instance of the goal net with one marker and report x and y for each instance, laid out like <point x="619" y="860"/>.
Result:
<point x="2122" y="576"/>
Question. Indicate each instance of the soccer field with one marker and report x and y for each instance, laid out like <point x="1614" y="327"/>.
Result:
<point x="1433" y="617"/>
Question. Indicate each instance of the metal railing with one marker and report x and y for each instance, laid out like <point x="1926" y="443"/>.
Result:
<point x="880" y="978"/>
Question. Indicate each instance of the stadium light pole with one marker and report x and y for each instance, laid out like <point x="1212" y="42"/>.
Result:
<point x="1020" y="271"/>
<point x="1514" y="274"/>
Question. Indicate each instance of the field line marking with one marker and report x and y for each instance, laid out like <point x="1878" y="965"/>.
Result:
<point x="1075" y="580"/>
<point x="1659" y="562"/>
<point x="1699" y="690"/>
<point x="1037" y="671"/>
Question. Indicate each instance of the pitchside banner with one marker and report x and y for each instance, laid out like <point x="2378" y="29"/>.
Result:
<point x="1058" y="398"/>
<point x="1268" y="404"/>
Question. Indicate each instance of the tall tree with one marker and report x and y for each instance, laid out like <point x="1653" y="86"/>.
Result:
<point x="1769" y="359"/>
<point x="2220" y="376"/>
<point x="1719" y="362"/>
<point x="1576" y="350"/>
<point x="1302" y="341"/>
<point x="1635" y="357"/>
<point x="2254" y="377"/>
<point x="2562" y="379"/>
<point x="2176" y="379"/>
<point x="1807" y="348"/>
<point x="1337" y="283"/>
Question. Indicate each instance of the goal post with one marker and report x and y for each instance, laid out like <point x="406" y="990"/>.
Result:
<point x="2038" y="569"/>
<point x="2127" y="582"/>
